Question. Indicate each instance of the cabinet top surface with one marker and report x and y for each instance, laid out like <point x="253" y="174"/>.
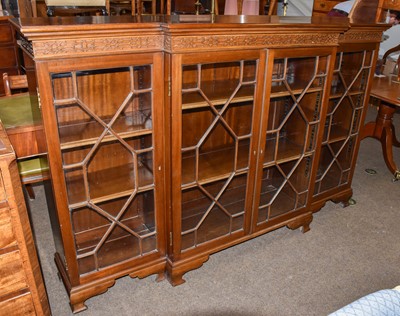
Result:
<point x="182" y="23"/>
<point x="177" y="22"/>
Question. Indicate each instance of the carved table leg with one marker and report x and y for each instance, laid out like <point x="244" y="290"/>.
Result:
<point x="383" y="130"/>
<point x="396" y="143"/>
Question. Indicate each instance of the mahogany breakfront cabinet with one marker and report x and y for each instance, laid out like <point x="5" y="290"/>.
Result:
<point x="171" y="140"/>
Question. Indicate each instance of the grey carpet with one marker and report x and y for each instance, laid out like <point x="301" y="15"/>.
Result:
<point x="348" y="253"/>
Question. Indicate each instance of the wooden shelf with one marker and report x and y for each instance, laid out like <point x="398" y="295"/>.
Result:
<point x="283" y="204"/>
<point x="116" y="250"/>
<point x="87" y="133"/>
<point x="219" y="223"/>
<point x="214" y="165"/>
<point x="87" y="240"/>
<point x="279" y="89"/>
<point x="330" y="181"/>
<point x="337" y="134"/>
<point x="287" y="151"/>
<point x="195" y="204"/>
<point x="337" y="95"/>
<point x="218" y="92"/>
<point x="107" y="180"/>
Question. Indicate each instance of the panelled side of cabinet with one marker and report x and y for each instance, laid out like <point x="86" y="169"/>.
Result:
<point x="22" y="288"/>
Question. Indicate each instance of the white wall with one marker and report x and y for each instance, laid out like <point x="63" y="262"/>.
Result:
<point x="393" y="40"/>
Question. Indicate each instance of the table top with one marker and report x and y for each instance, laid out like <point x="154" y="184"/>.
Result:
<point x="386" y="89"/>
<point x="16" y="111"/>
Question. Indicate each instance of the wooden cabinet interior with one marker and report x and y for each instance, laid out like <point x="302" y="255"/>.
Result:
<point x="171" y="141"/>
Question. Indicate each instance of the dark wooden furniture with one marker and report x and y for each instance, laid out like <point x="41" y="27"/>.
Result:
<point x="171" y="141"/>
<point x="22" y="289"/>
<point x="384" y="6"/>
<point x="23" y="123"/>
<point x="14" y="82"/>
<point x="387" y="92"/>
<point x="322" y="7"/>
<point x="393" y="68"/>
<point x="8" y="48"/>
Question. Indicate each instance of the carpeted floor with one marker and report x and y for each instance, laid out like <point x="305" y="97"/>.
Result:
<point x="348" y="253"/>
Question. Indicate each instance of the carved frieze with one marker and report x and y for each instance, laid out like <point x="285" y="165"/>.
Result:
<point x="361" y="36"/>
<point x="96" y="46"/>
<point x="207" y="42"/>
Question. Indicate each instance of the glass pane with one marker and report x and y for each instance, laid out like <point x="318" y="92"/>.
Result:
<point x="291" y="134"/>
<point x="118" y="103"/>
<point x="104" y="119"/>
<point x="343" y="123"/>
<point x="215" y="142"/>
<point x="213" y="210"/>
<point x="113" y="231"/>
<point x="284" y="188"/>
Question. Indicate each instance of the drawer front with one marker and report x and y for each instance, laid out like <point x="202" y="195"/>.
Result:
<point x="12" y="274"/>
<point x="324" y="5"/>
<point x="5" y="34"/>
<point x="7" y="237"/>
<point x="21" y="305"/>
<point x="8" y="57"/>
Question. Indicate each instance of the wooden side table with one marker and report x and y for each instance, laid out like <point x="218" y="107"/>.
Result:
<point x="387" y="92"/>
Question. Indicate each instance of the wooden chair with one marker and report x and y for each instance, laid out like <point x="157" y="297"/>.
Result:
<point x="394" y="71"/>
<point x="14" y="82"/>
<point x="138" y="7"/>
<point x="365" y="11"/>
<point x="25" y="132"/>
<point x="77" y="7"/>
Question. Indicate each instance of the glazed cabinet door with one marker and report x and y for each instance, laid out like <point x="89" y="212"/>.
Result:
<point x="213" y="139"/>
<point x="104" y="125"/>
<point x="292" y="114"/>
<point x="347" y="103"/>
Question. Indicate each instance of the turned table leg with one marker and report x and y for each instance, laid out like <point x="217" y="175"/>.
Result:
<point x="383" y="130"/>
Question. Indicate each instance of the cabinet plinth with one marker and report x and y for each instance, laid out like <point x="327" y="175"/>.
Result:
<point x="171" y="141"/>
